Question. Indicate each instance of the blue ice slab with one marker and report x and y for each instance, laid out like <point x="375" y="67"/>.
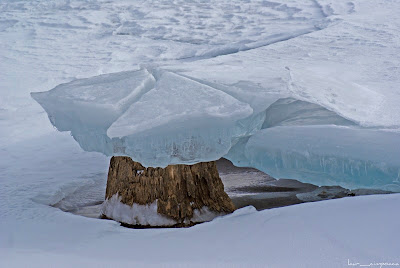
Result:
<point x="351" y="157"/>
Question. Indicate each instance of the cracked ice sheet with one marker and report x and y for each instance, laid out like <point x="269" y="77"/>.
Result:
<point x="178" y="121"/>
<point x="350" y="67"/>
<point x="52" y="42"/>
<point x="118" y="35"/>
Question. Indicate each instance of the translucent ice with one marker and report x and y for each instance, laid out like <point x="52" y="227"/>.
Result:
<point x="325" y="155"/>
<point x="160" y="117"/>
<point x="180" y="121"/>
<point x="157" y="118"/>
<point x="87" y="107"/>
<point x="94" y="102"/>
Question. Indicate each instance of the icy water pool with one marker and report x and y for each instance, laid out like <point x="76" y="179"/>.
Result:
<point x="245" y="186"/>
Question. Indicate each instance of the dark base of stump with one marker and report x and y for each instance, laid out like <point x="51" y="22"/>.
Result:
<point x="175" y="196"/>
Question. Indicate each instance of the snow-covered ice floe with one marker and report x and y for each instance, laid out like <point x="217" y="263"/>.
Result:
<point x="207" y="99"/>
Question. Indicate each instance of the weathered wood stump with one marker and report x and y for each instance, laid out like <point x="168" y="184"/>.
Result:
<point x="178" y="195"/>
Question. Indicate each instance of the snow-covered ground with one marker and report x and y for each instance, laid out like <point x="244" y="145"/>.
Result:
<point x="361" y="230"/>
<point x="342" y="55"/>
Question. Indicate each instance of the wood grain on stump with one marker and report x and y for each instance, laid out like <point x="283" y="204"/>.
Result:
<point x="178" y="189"/>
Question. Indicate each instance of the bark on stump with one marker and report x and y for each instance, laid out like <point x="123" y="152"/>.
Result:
<point x="178" y="195"/>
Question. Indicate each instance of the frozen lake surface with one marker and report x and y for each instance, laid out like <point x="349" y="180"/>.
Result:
<point x="339" y="59"/>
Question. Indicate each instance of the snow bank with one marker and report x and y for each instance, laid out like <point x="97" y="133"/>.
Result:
<point x="339" y="230"/>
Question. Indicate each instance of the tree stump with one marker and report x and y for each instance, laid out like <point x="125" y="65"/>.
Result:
<point x="175" y="196"/>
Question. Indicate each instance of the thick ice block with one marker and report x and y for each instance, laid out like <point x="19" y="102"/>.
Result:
<point x="87" y="107"/>
<point x="326" y="155"/>
<point x="157" y="118"/>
